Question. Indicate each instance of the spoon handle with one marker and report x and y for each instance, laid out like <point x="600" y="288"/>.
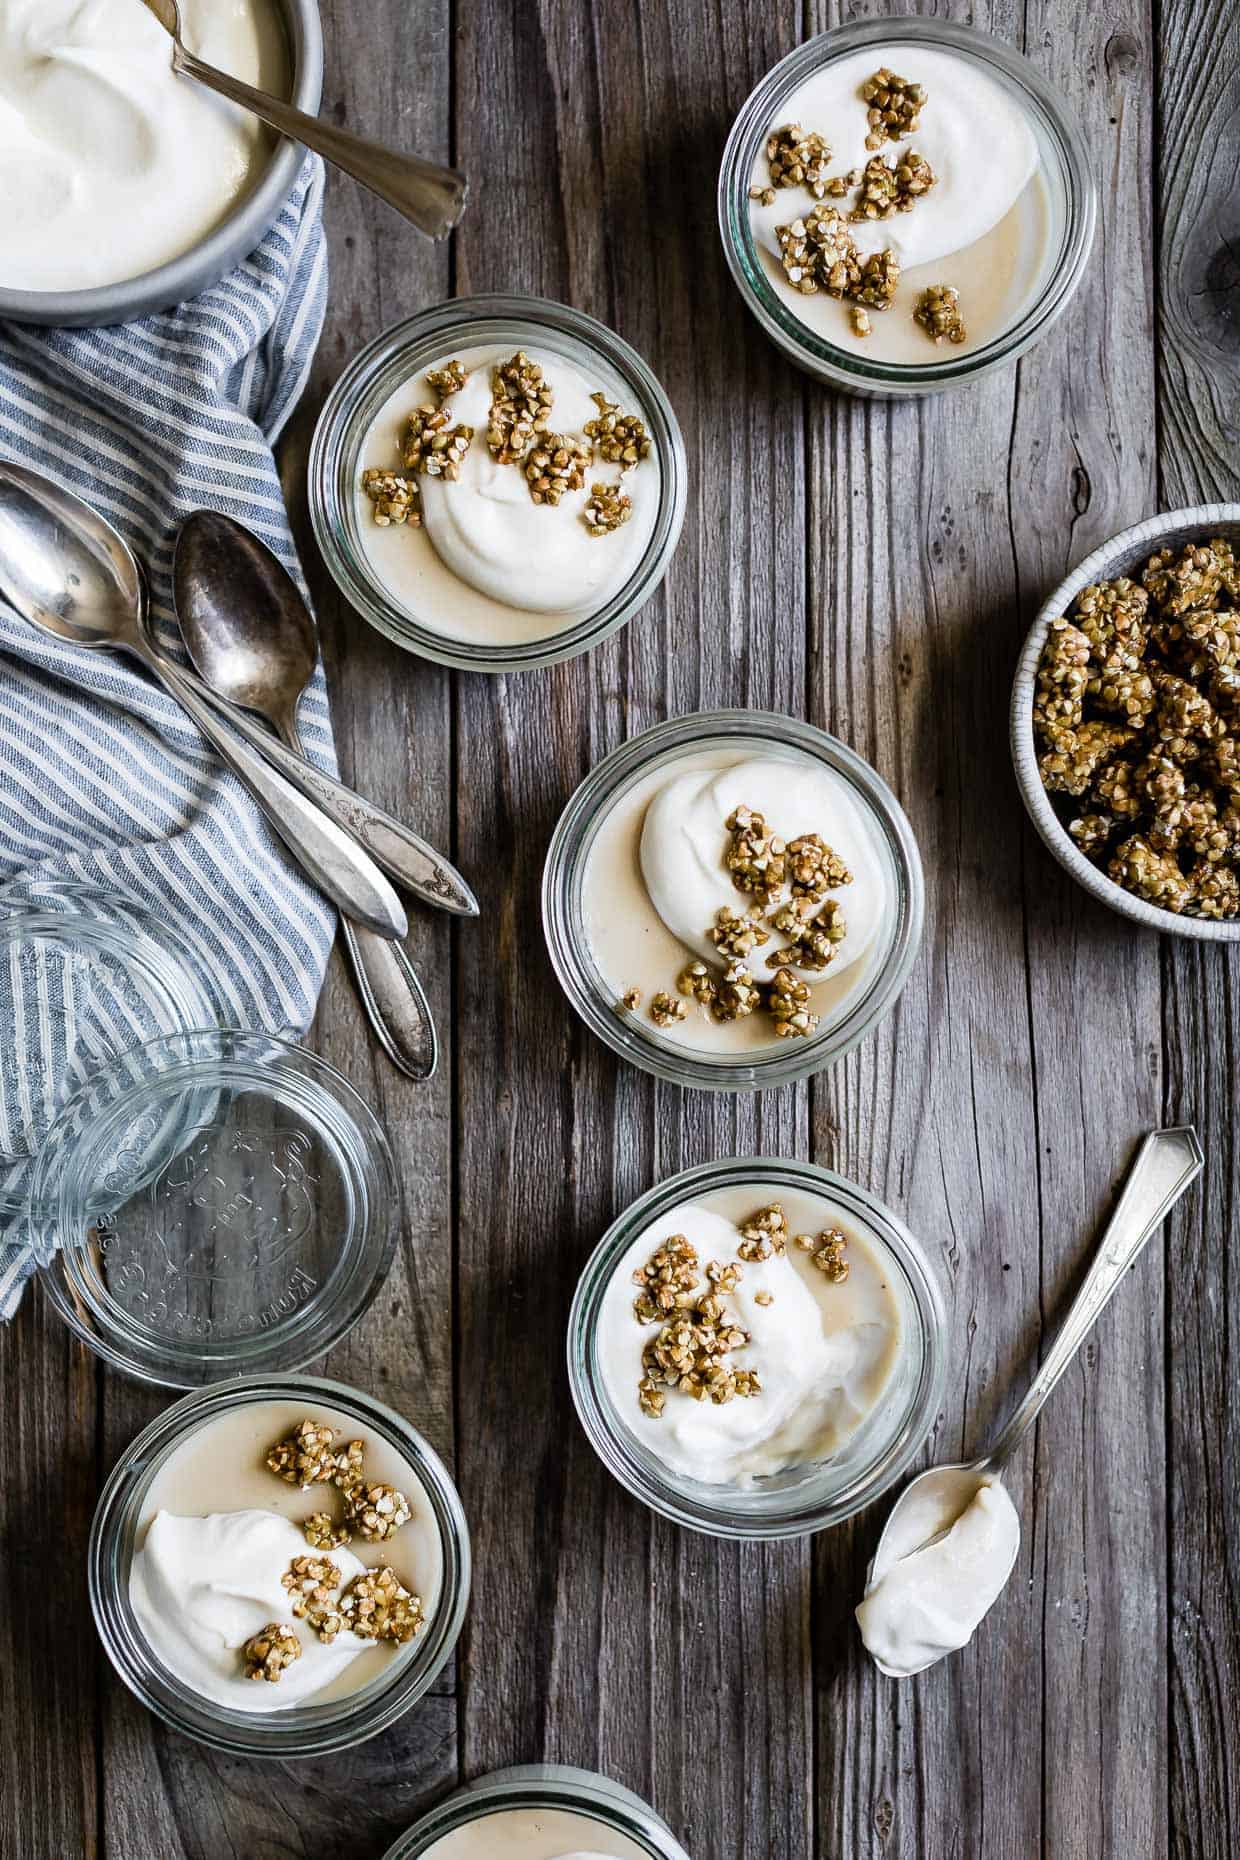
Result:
<point x="431" y="197"/>
<point x="394" y="1000"/>
<point x="332" y="859"/>
<point x="403" y="854"/>
<point x="1167" y="1161"/>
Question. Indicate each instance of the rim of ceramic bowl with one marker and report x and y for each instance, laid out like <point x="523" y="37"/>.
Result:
<point x="306" y="1730"/>
<point x="1114" y="557"/>
<point x="766" y="1510"/>
<point x="843" y="367"/>
<point x="641" y="1044"/>
<point x="356" y="398"/>
<point x="227" y="244"/>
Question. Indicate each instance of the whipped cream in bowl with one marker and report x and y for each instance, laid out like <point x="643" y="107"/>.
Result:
<point x="905" y="204"/>
<point x="732" y="900"/>
<point x="279" y="1568"/>
<point x="498" y="483"/>
<point x="756" y="1348"/>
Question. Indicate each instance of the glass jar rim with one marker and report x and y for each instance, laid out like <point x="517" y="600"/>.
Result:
<point x="789" y="1060"/>
<point x="842" y="366"/>
<point x="335" y="425"/>
<point x="741" y="1513"/>
<point x="304" y="1730"/>
<point x="155" y="954"/>
<point x="187" y="1063"/>
<point x="542" y="1785"/>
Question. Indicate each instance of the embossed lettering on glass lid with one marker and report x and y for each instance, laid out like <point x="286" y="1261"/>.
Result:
<point x="221" y="1202"/>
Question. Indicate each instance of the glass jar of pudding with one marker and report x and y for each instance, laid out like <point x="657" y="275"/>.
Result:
<point x="194" y="1533"/>
<point x="824" y="1369"/>
<point x="511" y="553"/>
<point x="637" y="883"/>
<point x="973" y="249"/>
<point x="543" y="1811"/>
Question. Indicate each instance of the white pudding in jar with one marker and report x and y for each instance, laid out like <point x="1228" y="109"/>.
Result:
<point x="657" y="883"/>
<point x="110" y="164"/>
<point x="796" y="1334"/>
<point x="218" y="1531"/>
<point x="981" y="228"/>
<point x="534" y="1834"/>
<point x="479" y="559"/>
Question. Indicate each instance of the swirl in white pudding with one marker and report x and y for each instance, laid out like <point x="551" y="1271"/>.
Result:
<point x="823" y="1351"/>
<point x="685" y="837"/>
<point x="488" y="564"/>
<point x="201" y="1587"/>
<point x="110" y="164"/>
<point x="981" y="228"/>
<point x="948" y="1549"/>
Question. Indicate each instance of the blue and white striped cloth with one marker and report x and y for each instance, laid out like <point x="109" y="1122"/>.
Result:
<point x="102" y="777"/>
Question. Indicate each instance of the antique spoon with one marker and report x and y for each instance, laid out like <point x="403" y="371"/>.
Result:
<point x="254" y="641"/>
<point x="432" y="198"/>
<point x="69" y="573"/>
<point x="1164" y="1166"/>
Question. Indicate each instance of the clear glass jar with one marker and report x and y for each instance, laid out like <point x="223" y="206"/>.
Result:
<point x="640" y="1042"/>
<point x="623" y="1827"/>
<point x="213" y="1204"/>
<point x="1065" y="168"/>
<point x="307" y="1730"/>
<point x="403" y="352"/>
<point x="85" y="973"/>
<point x="802" y="1498"/>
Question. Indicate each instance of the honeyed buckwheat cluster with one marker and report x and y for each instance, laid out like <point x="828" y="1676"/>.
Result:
<point x="518" y="433"/>
<point x="697" y="1331"/>
<point x="787" y="885"/>
<point x="375" y="1605"/>
<point x="1137" y="709"/>
<point x="372" y="1510"/>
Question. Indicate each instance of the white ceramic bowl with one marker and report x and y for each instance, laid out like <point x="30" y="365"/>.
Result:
<point x="1120" y="556"/>
<point x="233" y="239"/>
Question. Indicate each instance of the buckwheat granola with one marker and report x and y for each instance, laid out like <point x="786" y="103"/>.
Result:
<point x="895" y="107"/>
<point x="796" y="157"/>
<point x="937" y="310"/>
<point x="1140" y="725"/>
<point x="690" y="1352"/>
<point x="267" y="1653"/>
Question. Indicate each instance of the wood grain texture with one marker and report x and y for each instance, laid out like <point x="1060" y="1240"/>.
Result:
<point x="995" y="1108"/>
<point x="1199" y="458"/>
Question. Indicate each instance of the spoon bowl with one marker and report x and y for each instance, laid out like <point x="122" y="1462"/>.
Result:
<point x="245" y="624"/>
<point x="63" y="567"/>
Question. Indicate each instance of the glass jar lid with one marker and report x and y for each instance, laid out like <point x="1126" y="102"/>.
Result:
<point x="85" y="974"/>
<point x="213" y="1204"/>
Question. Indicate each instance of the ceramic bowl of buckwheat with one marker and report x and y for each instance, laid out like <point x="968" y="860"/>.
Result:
<point x="1125" y="723"/>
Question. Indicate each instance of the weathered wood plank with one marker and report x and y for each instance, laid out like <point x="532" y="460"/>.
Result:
<point x="1199" y="404"/>
<point x="51" y="1667"/>
<point x="598" y="1635"/>
<point x="978" y="1109"/>
<point x="387" y="73"/>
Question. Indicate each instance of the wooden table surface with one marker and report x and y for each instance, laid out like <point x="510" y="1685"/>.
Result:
<point x="872" y="567"/>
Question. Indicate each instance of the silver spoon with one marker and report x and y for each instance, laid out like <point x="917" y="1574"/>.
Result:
<point x="1164" y="1166"/>
<point x="254" y="641"/>
<point x="69" y="573"/>
<point x="431" y="197"/>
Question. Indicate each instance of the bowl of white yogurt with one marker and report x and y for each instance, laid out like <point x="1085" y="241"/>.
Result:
<point x="756" y="1348"/>
<point x="123" y="187"/>
<point x="905" y="205"/>
<point x="694" y="963"/>
<point x="540" y="1811"/>
<point x="497" y="483"/>
<point x="198" y="1547"/>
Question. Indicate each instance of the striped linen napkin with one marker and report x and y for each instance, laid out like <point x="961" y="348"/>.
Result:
<point x="103" y="778"/>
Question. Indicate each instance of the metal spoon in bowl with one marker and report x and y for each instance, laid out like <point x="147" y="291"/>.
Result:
<point x="69" y="573"/>
<point x="1166" y="1163"/>
<point x="431" y="197"/>
<point x="254" y="642"/>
